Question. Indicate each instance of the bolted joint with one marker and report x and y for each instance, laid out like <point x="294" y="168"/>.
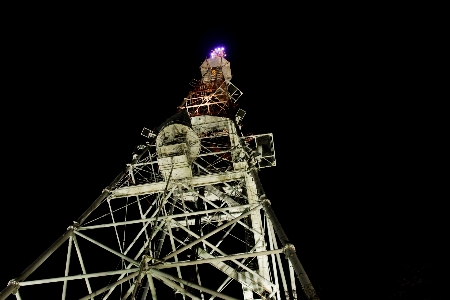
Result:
<point x="288" y="250"/>
<point x="15" y="284"/>
<point x="74" y="226"/>
<point x="264" y="201"/>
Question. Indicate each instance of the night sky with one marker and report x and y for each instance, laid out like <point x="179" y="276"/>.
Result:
<point x="351" y="185"/>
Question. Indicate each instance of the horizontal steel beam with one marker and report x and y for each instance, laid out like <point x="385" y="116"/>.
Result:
<point x="216" y="259"/>
<point x="160" y="218"/>
<point x="210" y="219"/>
<point x="150" y="188"/>
<point x="144" y="164"/>
<point x="214" y="153"/>
<point x="74" y="277"/>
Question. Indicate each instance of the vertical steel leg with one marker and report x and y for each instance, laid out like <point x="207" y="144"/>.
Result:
<point x="292" y="275"/>
<point x="129" y="291"/>
<point x="145" y="292"/>
<point x="77" y="248"/>
<point x="138" y="201"/>
<point x="142" y="214"/>
<point x="125" y="227"/>
<point x="169" y="227"/>
<point x="115" y="227"/>
<point x="66" y="273"/>
<point x="289" y="249"/>
<point x="199" y="281"/>
<point x="180" y="191"/>
<point x="280" y="265"/>
<point x="275" y="271"/>
<point x="152" y="287"/>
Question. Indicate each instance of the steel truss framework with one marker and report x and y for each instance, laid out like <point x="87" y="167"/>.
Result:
<point x="196" y="235"/>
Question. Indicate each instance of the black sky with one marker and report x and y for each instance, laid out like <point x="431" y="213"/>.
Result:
<point x="350" y="184"/>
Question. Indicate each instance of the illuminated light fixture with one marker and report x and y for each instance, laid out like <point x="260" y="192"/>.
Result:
<point x="218" y="52"/>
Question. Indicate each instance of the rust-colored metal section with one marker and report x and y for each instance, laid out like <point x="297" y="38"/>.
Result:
<point x="210" y="97"/>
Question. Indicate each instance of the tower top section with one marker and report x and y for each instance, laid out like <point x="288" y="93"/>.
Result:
<point x="213" y="94"/>
<point x="216" y="65"/>
<point x="215" y="69"/>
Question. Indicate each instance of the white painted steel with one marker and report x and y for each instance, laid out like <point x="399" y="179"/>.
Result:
<point x="194" y="213"/>
<point x="191" y="284"/>
<point x="280" y="265"/>
<point x="115" y="226"/>
<point x="199" y="239"/>
<point x="138" y="202"/>
<point x="152" y="287"/>
<point x="77" y="248"/>
<point x="107" y="248"/>
<point x="274" y="265"/>
<point x="215" y="259"/>
<point x="121" y="276"/>
<point x="109" y="287"/>
<point x="150" y="188"/>
<point x="228" y="214"/>
<point x="75" y="277"/>
<point x="176" y="287"/>
<point x="256" y="275"/>
<point x="66" y="272"/>
<point x="222" y="286"/>
<point x="172" y="243"/>
<point x="215" y="62"/>
<point x="18" y="295"/>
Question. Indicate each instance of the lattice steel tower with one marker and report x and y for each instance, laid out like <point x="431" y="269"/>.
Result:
<point x="196" y="215"/>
